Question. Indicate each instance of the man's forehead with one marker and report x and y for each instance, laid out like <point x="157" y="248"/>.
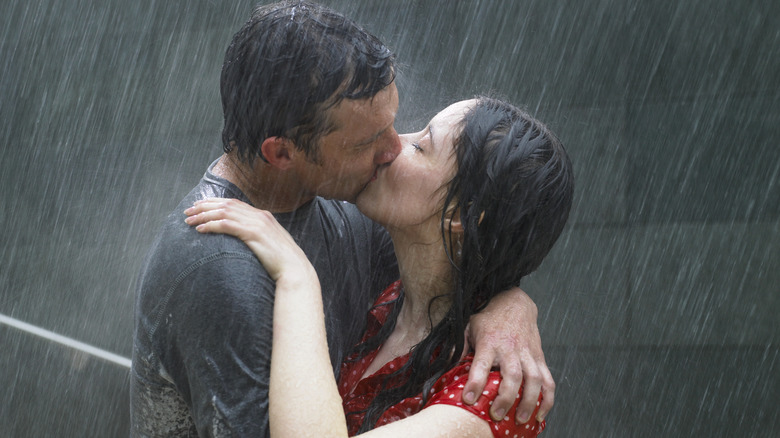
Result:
<point x="382" y="104"/>
<point x="363" y="120"/>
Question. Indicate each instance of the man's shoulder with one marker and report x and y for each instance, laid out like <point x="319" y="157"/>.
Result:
<point x="178" y="241"/>
<point x="179" y="250"/>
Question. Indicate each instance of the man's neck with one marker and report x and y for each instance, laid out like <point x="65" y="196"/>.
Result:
<point x="266" y="187"/>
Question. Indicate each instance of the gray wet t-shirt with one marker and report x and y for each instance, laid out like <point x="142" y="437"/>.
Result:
<point x="204" y="313"/>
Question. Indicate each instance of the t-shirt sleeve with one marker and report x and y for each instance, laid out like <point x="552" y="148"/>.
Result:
<point x="219" y="334"/>
<point x="448" y="390"/>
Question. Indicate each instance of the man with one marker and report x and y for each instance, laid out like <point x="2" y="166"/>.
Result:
<point x="309" y="101"/>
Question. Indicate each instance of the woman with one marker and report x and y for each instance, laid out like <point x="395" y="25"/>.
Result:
<point x="473" y="203"/>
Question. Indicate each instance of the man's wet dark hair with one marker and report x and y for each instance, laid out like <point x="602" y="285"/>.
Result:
<point x="286" y="66"/>
<point x="512" y="191"/>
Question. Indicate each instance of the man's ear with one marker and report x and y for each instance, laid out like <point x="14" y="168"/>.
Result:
<point x="278" y="152"/>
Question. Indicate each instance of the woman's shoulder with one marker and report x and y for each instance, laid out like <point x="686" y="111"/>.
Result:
<point x="448" y="390"/>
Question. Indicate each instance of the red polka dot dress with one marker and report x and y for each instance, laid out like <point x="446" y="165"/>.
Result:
<point x="358" y="394"/>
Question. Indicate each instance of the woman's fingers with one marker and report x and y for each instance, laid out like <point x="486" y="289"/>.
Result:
<point x="258" y="229"/>
<point x="220" y="226"/>
<point x="207" y="204"/>
<point x="212" y="209"/>
<point x="205" y="216"/>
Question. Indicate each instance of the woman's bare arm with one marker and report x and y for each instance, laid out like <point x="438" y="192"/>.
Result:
<point x="304" y="400"/>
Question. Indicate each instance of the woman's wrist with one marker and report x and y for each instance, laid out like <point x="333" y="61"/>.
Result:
<point x="298" y="282"/>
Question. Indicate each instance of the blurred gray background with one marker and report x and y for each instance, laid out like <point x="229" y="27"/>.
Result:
<point x="658" y="308"/>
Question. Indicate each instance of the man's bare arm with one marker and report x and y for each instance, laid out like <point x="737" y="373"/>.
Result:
<point x="505" y="334"/>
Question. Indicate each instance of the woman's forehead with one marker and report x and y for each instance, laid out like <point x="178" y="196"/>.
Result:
<point x="456" y="111"/>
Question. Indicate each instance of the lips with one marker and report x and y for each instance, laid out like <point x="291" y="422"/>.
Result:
<point x="378" y="169"/>
<point x="373" y="177"/>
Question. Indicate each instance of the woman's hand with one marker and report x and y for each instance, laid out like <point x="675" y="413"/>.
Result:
<point x="284" y="260"/>
<point x="301" y="377"/>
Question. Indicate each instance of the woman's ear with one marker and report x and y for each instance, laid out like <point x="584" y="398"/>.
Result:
<point x="452" y="221"/>
<point x="278" y="152"/>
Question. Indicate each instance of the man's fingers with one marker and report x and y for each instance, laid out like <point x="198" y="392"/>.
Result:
<point x="478" y="374"/>
<point x="548" y="396"/>
<point x="466" y="346"/>
<point x="532" y="386"/>
<point x="511" y="379"/>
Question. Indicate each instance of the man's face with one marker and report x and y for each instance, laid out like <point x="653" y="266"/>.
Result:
<point x="349" y="156"/>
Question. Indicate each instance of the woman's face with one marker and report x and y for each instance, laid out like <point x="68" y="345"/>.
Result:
<point x="410" y="191"/>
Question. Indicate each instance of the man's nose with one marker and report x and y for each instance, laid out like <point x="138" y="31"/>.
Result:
<point x="391" y="149"/>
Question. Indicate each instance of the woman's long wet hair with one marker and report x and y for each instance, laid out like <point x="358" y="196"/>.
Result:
<point x="513" y="191"/>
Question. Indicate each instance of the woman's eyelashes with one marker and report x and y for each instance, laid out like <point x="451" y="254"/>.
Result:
<point x="416" y="144"/>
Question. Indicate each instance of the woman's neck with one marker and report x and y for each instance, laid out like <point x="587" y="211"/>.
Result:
<point x="426" y="273"/>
